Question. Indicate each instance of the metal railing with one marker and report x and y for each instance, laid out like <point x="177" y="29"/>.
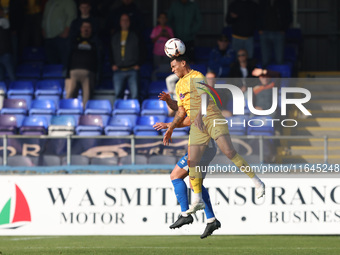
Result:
<point x="133" y="139"/>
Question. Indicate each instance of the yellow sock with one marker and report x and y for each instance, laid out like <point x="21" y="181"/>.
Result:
<point x="239" y="161"/>
<point x="195" y="179"/>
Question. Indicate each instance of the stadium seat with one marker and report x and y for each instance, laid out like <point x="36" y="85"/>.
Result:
<point x="261" y="126"/>
<point x="200" y="67"/>
<point x="62" y="125"/>
<point x="154" y="107"/>
<point x="146" y="71"/>
<point x="43" y="107"/>
<point x="156" y="87"/>
<point x="119" y="126"/>
<point x="19" y="160"/>
<point x="71" y="106"/>
<point x="28" y="70"/>
<point x="98" y="107"/>
<point x="128" y="106"/>
<point x="111" y="161"/>
<point x="144" y="126"/>
<point x="21" y="89"/>
<point x="48" y="89"/>
<point x="139" y="159"/>
<point x="177" y="131"/>
<point x="14" y="106"/>
<point x="163" y="160"/>
<point x="52" y="71"/>
<point x="90" y="125"/>
<point x="33" y="54"/>
<point x="8" y="125"/>
<point x="77" y="160"/>
<point x="237" y="125"/>
<point x="34" y="125"/>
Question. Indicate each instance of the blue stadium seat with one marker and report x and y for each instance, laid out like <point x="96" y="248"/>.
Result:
<point x="156" y="87"/>
<point x="90" y="125"/>
<point x="43" y="107"/>
<point x="111" y="161"/>
<point x="98" y="107"/>
<point x="52" y="71"/>
<point x="77" y="160"/>
<point x="144" y="126"/>
<point x="128" y="106"/>
<point x="62" y="125"/>
<point x="285" y="69"/>
<point x="200" y="67"/>
<point x="8" y="125"/>
<point x="21" y="90"/>
<point x="235" y="125"/>
<point x="19" y="160"/>
<point x="34" y="125"/>
<point x="14" y="106"/>
<point x="262" y="126"/>
<point x="70" y="106"/>
<point x="146" y="71"/>
<point x="28" y="70"/>
<point x="118" y="126"/>
<point x="154" y="107"/>
<point x="33" y="54"/>
<point x="48" y="89"/>
<point x="177" y="131"/>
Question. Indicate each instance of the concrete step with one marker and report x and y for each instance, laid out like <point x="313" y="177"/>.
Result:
<point x="313" y="131"/>
<point x="334" y="142"/>
<point x="325" y="105"/>
<point x="319" y="122"/>
<point x="310" y="159"/>
<point x="308" y="150"/>
<point x="331" y="84"/>
<point x="318" y="114"/>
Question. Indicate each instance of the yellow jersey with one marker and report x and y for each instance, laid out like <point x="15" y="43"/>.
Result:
<point x="189" y="90"/>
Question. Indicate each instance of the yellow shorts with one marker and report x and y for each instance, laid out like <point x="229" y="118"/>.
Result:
<point x="212" y="130"/>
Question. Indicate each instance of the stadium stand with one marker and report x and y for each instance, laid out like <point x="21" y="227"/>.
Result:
<point x="34" y="125"/>
<point x="119" y="126"/>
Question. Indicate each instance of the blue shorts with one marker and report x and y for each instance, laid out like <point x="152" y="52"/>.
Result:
<point x="207" y="157"/>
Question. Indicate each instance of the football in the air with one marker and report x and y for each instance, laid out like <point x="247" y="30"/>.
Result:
<point x="174" y="47"/>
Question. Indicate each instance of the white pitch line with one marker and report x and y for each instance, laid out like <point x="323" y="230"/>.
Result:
<point x="30" y="238"/>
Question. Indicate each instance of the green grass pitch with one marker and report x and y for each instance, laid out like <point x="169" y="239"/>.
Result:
<point x="168" y="245"/>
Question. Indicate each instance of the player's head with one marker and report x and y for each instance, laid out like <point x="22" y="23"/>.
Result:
<point x="180" y="65"/>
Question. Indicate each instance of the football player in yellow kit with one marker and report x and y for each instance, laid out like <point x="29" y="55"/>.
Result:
<point x="189" y="90"/>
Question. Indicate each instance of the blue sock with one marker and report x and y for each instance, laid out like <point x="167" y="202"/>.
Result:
<point x="208" y="207"/>
<point x="181" y="192"/>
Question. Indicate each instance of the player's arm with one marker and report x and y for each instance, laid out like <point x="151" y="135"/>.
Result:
<point x="161" y="125"/>
<point x="179" y="117"/>
<point x="170" y="102"/>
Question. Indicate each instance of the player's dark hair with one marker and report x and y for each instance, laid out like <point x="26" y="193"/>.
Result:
<point x="180" y="58"/>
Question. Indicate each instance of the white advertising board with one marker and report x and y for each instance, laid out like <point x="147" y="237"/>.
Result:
<point x="146" y="205"/>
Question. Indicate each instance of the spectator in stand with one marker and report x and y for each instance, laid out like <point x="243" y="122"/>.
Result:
<point x="242" y="17"/>
<point x="263" y="94"/>
<point x="126" y="58"/>
<point x="221" y="57"/>
<point x="186" y="20"/>
<point x="274" y="18"/>
<point x="85" y="16"/>
<point x="6" y="57"/>
<point x="57" y="18"/>
<point x="31" y="31"/>
<point x="14" y="12"/>
<point x="85" y="58"/>
<point x="159" y="35"/>
<point x="241" y="70"/>
<point x="126" y="7"/>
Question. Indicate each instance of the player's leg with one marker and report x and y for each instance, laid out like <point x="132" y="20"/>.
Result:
<point x="226" y="146"/>
<point x="177" y="178"/>
<point x="195" y="153"/>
